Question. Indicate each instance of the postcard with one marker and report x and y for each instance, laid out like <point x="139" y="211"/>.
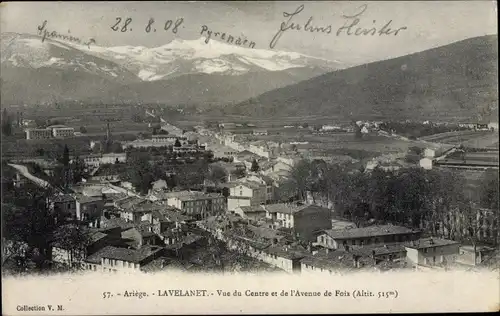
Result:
<point x="249" y="157"/>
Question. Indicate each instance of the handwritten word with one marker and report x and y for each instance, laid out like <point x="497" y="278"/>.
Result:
<point x="229" y="39"/>
<point x="42" y="31"/>
<point x="168" y="25"/>
<point x="351" y="21"/>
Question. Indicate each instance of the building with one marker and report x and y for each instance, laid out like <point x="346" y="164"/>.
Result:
<point x="140" y="212"/>
<point x="426" y="163"/>
<point x="197" y="204"/>
<point x="306" y="221"/>
<point x="260" y="132"/>
<point x="89" y="208"/>
<point x="327" y="263"/>
<point x="114" y="259"/>
<point x="371" y="235"/>
<point x="140" y="235"/>
<point x="493" y="126"/>
<point x="168" y="218"/>
<point x="274" y="166"/>
<point x="62" y="131"/>
<point x="432" y="251"/>
<point x="96" y="160"/>
<point x="247" y="193"/>
<point x="64" y="204"/>
<point x="264" y="180"/>
<point x="38" y="133"/>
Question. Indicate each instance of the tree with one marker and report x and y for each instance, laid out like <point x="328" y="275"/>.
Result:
<point x="74" y="238"/>
<point x="177" y="143"/>
<point x="83" y="129"/>
<point x="140" y="173"/>
<point x="489" y="190"/>
<point x="6" y="123"/>
<point x="239" y="173"/>
<point x="255" y="166"/>
<point x="28" y="219"/>
<point x="300" y="176"/>
<point x="217" y="174"/>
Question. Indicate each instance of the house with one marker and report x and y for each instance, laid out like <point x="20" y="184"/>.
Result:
<point x="264" y="180"/>
<point x="371" y="235"/>
<point x="140" y="235"/>
<point x="114" y="259"/>
<point x="178" y="245"/>
<point x="432" y="251"/>
<point x="89" y="208"/>
<point x="255" y="212"/>
<point x="274" y="166"/>
<point x="197" y="204"/>
<point x="166" y="218"/>
<point x="332" y="262"/>
<point x="140" y="212"/>
<point x="305" y="220"/>
<point x="474" y="255"/>
<point x="38" y="133"/>
<point x="64" y="204"/>
<point x="284" y="257"/>
<point x="246" y="193"/>
<point x="387" y="252"/>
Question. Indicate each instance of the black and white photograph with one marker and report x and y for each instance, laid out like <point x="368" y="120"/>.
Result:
<point x="208" y="157"/>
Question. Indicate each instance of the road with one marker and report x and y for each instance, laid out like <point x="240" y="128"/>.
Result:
<point x="23" y="170"/>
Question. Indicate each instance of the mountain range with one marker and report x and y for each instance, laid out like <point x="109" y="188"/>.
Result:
<point x="456" y="81"/>
<point x="180" y="72"/>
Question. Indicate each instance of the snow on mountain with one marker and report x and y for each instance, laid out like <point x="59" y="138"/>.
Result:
<point x="181" y="57"/>
<point x="28" y="51"/>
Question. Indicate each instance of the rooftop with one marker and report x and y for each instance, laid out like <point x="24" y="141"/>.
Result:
<point x="430" y="243"/>
<point x="128" y="255"/>
<point x="87" y="199"/>
<point x="370" y="231"/>
<point x="252" y="209"/>
<point x="170" y="215"/>
<point x="63" y="198"/>
<point x="129" y="202"/>
<point x="336" y="260"/>
<point x="289" y="208"/>
<point x="287" y="251"/>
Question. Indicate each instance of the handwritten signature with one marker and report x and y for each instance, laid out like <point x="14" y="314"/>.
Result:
<point x="349" y="28"/>
<point x="45" y="33"/>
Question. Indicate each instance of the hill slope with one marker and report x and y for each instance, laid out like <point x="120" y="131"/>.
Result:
<point x="459" y="80"/>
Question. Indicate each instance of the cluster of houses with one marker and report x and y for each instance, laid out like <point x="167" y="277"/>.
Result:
<point x="132" y="232"/>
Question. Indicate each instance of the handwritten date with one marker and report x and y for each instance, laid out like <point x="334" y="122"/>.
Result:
<point x="169" y="25"/>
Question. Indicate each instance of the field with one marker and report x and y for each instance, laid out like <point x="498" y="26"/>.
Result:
<point x="477" y="139"/>
<point x="94" y="118"/>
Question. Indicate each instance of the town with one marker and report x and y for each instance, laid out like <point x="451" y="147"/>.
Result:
<point x="233" y="196"/>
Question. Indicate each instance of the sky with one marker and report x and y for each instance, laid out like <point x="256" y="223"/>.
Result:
<point x="428" y="23"/>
